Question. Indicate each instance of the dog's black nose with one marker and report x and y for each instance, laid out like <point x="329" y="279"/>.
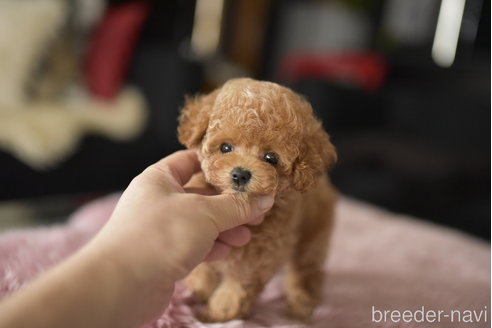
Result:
<point x="240" y="176"/>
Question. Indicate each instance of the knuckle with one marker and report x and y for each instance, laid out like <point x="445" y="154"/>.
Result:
<point x="162" y="169"/>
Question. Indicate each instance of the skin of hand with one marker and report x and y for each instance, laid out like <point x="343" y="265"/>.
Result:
<point x="159" y="231"/>
<point x="161" y="198"/>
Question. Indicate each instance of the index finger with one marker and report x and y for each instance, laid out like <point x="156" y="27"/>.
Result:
<point x="181" y="165"/>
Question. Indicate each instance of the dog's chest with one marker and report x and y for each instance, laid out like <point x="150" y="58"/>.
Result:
<point x="272" y="241"/>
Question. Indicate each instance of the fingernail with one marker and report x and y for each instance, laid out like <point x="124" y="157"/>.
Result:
<point x="265" y="202"/>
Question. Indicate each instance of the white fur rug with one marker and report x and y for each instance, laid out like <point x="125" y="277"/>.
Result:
<point x="42" y="134"/>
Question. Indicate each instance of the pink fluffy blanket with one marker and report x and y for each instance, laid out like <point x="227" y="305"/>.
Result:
<point x="384" y="270"/>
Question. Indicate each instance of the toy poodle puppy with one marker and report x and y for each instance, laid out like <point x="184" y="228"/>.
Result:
<point x="255" y="138"/>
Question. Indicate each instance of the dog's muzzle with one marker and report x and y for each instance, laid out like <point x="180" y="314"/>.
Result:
<point x="240" y="177"/>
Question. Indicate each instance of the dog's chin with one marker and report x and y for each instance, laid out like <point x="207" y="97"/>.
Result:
<point x="232" y="189"/>
<point x="239" y="189"/>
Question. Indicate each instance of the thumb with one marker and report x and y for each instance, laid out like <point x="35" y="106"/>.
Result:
<point x="231" y="210"/>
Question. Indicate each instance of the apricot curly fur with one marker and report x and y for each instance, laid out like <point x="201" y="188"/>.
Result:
<point x="257" y="117"/>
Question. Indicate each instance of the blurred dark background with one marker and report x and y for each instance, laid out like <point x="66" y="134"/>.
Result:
<point x="403" y="87"/>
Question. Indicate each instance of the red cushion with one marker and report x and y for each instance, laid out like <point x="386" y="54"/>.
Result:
<point x="364" y="69"/>
<point x="111" y="47"/>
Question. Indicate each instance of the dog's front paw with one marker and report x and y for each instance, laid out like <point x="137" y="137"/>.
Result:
<point x="230" y="301"/>
<point x="301" y="307"/>
<point x="301" y="304"/>
<point x="202" y="282"/>
<point x="200" y="294"/>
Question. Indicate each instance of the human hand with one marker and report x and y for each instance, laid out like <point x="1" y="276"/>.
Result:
<point x="156" y="235"/>
<point x="160" y="223"/>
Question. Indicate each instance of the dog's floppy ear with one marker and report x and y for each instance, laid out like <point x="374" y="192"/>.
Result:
<point x="194" y="117"/>
<point x="316" y="156"/>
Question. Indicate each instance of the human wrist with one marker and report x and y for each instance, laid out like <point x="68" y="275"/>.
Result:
<point x="131" y="264"/>
<point x="123" y="279"/>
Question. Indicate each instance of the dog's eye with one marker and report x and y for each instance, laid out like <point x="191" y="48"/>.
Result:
<point x="226" y="148"/>
<point x="270" y="158"/>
